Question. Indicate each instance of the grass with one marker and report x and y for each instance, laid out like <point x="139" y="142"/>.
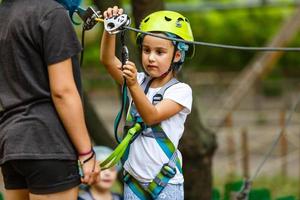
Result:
<point x="279" y="186"/>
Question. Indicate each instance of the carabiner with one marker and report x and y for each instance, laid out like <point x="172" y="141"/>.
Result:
<point x="115" y="24"/>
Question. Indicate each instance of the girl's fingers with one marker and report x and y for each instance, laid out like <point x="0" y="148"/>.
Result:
<point x="120" y="11"/>
<point x="115" y="10"/>
<point x="110" y="12"/>
<point x="130" y="63"/>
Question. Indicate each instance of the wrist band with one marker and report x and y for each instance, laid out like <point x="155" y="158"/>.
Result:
<point x="86" y="153"/>
<point x="89" y="158"/>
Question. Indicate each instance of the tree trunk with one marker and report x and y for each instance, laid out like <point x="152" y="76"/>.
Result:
<point x="142" y="8"/>
<point x="197" y="145"/>
<point x="96" y="127"/>
<point x="104" y="4"/>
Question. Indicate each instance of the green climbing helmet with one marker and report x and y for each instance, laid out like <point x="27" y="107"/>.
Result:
<point x="170" y="22"/>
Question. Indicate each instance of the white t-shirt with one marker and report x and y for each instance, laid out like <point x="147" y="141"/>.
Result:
<point x="146" y="157"/>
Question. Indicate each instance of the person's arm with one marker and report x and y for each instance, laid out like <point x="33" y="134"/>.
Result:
<point x="107" y="49"/>
<point x="151" y="114"/>
<point x="68" y="104"/>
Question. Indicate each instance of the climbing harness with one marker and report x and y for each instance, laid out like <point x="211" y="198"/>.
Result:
<point x="168" y="170"/>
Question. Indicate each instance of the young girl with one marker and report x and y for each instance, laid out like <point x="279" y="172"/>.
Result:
<point x="102" y="189"/>
<point x="153" y="168"/>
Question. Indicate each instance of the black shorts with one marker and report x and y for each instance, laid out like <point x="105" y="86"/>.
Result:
<point x="40" y="176"/>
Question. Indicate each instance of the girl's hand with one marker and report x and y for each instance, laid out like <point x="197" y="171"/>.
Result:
<point x="111" y="12"/>
<point x="130" y="73"/>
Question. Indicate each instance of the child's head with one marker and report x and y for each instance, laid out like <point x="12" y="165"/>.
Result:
<point x="165" y="54"/>
<point x="108" y="176"/>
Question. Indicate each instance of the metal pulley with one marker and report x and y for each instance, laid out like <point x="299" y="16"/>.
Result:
<point x="116" y="24"/>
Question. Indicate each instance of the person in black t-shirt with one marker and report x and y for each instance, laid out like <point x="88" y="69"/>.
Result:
<point x="42" y="129"/>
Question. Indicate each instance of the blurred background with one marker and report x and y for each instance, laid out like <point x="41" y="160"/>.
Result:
<point x="243" y="100"/>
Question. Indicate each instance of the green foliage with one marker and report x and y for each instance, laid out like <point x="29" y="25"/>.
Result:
<point x="277" y="185"/>
<point x="242" y="27"/>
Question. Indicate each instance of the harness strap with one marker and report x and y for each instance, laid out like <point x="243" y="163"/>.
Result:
<point x="135" y="186"/>
<point x="122" y="148"/>
<point x="153" y="189"/>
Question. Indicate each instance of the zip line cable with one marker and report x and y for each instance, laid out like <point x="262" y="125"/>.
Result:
<point x="215" y="45"/>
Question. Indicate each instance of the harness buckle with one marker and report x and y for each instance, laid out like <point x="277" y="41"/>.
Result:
<point x="168" y="171"/>
<point x="116" y="24"/>
<point x="126" y="177"/>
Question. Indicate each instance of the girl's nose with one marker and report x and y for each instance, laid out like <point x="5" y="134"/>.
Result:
<point x="151" y="57"/>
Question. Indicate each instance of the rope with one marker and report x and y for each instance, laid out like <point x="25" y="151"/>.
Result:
<point x="244" y="192"/>
<point x="124" y="58"/>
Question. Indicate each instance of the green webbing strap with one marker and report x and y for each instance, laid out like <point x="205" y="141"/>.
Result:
<point x="119" y="115"/>
<point x="117" y="154"/>
<point x="166" y="145"/>
<point x="137" y="189"/>
<point x="157" y="185"/>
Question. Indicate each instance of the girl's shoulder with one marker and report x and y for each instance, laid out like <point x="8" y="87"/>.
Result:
<point x="180" y="87"/>
<point x="141" y="76"/>
<point x="117" y="196"/>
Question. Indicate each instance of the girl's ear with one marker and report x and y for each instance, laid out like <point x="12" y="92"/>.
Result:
<point x="177" y="56"/>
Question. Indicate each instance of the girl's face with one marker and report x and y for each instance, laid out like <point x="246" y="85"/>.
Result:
<point x="108" y="178"/>
<point x="157" y="54"/>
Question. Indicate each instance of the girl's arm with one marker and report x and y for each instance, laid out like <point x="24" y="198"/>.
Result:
<point x="108" y="47"/>
<point x="151" y="114"/>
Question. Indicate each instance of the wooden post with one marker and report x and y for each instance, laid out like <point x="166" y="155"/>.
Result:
<point x="245" y="153"/>
<point x="260" y="66"/>
<point x="283" y="145"/>
<point x="230" y="145"/>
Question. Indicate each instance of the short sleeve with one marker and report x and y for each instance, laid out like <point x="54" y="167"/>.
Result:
<point x="59" y="40"/>
<point x="140" y="77"/>
<point x="181" y="93"/>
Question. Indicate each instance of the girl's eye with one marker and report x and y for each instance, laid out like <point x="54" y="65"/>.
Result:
<point x="159" y="52"/>
<point x="145" y="50"/>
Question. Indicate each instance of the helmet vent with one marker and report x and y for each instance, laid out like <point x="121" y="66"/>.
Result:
<point x="185" y="19"/>
<point x="167" y="18"/>
<point x="146" y="19"/>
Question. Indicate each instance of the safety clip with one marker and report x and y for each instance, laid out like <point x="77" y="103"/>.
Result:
<point x="88" y="16"/>
<point x="116" y="24"/>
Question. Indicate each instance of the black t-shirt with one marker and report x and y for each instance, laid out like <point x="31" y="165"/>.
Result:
<point x="33" y="35"/>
